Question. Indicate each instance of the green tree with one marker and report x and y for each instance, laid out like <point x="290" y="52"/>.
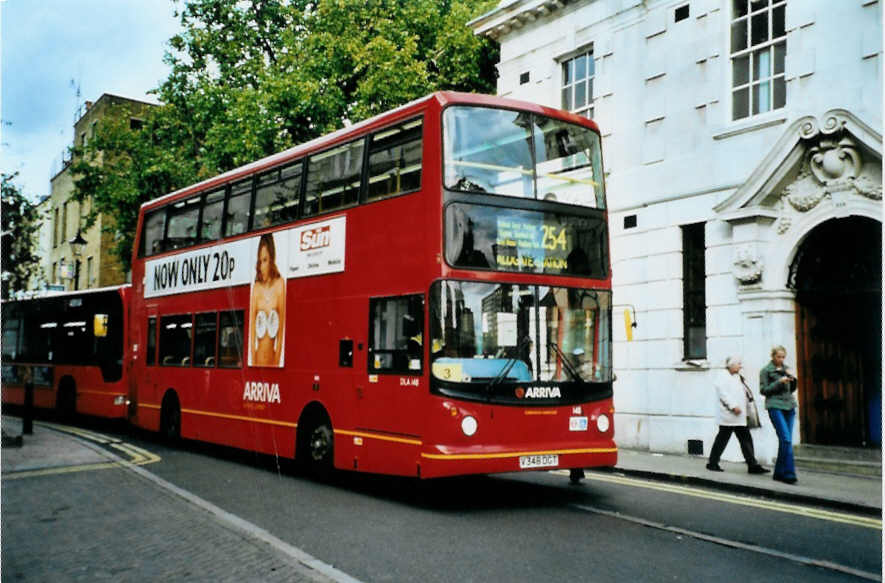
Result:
<point x="21" y="222"/>
<point x="120" y="168"/>
<point x="250" y="78"/>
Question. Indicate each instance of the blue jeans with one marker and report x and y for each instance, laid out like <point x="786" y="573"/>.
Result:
<point x="782" y="420"/>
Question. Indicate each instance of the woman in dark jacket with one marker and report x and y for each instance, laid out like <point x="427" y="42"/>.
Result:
<point x="778" y="386"/>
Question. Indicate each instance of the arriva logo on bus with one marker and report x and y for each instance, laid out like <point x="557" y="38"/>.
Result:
<point x="539" y="393"/>
<point x="261" y="392"/>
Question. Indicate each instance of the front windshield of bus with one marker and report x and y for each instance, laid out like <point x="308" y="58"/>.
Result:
<point x="485" y="334"/>
<point x="520" y="154"/>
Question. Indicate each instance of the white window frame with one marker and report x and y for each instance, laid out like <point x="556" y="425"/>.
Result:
<point x="569" y="82"/>
<point x="759" y="88"/>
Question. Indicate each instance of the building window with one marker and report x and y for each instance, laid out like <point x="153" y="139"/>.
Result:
<point x="64" y="224"/>
<point x="577" y="83"/>
<point x="680" y="13"/>
<point x="89" y="272"/>
<point x="55" y="227"/>
<point x="135" y="124"/>
<point x="758" y="46"/>
<point x="523" y="78"/>
<point x="694" y="297"/>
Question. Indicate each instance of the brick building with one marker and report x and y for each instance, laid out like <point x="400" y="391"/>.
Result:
<point x="95" y="266"/>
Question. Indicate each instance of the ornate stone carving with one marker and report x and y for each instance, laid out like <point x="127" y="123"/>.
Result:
<point x="783" y="224"/>
<point x="804" y="193"/>
<point x="747" y="267"/>
<point x="865" y="185"/>
<point x="832" y="165"/>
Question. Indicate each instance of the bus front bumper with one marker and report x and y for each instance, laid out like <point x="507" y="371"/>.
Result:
<point x="440" y="460"/>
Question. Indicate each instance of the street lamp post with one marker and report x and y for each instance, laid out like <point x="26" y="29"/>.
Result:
<point x="77" y="244"/>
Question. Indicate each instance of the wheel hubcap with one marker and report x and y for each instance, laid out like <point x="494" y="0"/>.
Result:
<point x="319" y="443"/>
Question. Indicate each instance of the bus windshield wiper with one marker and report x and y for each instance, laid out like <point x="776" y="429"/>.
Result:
<point x="508" y="366"/>
<point x="568" y="366"/>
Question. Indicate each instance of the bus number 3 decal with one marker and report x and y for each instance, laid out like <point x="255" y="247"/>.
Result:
<point x="224" y="266"/>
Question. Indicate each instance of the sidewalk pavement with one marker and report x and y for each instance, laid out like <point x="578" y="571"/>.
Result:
<point x="117" y="522"/>
<point x="844" y="491"/>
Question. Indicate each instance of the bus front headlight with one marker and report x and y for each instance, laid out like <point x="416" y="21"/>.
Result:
<point x="469" y="425"/>
<point x="602" y="423"/>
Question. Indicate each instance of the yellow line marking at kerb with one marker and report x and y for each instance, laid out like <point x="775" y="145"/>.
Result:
<point x="132" y="454"/>
<point x="65" y="470"/>
<point x="96" y="437"/>
<point x="744" y="501"/>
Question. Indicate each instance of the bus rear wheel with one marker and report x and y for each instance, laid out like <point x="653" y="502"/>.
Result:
<point x="170" y="418"/>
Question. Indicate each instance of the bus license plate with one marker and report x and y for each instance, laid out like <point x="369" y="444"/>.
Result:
<point x="538" y="461"/>
<point x="577" y="424"/>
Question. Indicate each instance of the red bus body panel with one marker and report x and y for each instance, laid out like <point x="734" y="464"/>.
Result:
<point x="385" y="423"/>
<point x="94" y="396"/>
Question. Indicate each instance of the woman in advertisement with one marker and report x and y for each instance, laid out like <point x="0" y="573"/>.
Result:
<point x="267" y="311"/>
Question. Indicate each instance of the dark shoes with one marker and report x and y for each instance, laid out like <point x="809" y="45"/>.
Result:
<point x="575" y="476"/>
<point x="786" y="480"/>
<point x="714" y="468"/>
<point x="757" y="469"/>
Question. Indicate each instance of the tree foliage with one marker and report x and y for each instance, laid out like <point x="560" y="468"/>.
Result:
<point x="252" y="77"/>
<point x="20" y="220"/>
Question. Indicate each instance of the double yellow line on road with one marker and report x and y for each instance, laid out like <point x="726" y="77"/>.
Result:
<point x="807" y="511"/>
<point x="130" y="454"/>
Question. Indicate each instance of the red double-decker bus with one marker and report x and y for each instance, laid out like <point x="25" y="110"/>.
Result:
<point x="426" y="293"/>
<point x="73" y="347"/>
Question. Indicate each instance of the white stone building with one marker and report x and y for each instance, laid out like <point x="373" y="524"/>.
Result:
<point x="743" y="152"/>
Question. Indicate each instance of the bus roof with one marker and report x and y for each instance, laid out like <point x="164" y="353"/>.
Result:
<point x="443" y="98"/>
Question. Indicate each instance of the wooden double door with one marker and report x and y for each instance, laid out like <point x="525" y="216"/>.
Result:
<point x="837" y="276"/>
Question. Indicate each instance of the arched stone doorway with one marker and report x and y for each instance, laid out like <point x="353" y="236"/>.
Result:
<point x="837" y="276"/>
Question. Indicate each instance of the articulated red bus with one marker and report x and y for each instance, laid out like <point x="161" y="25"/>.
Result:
<point x="426" y="293"/>
<point x="74" y="349"/>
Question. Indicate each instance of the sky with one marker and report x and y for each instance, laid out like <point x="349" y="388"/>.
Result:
<point x="52" y="48"/>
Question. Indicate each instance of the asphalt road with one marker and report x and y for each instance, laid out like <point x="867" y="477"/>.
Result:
<point x="524" y="527"/>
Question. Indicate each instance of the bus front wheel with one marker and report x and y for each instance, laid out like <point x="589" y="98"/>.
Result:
<point x="66" y="402"/>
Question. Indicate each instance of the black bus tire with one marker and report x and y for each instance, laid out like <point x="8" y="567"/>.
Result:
<point x="170" y="418"/>
<point x="315" y="452"/>
<point x="66" y="401"/>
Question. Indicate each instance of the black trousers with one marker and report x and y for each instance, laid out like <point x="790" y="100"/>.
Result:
<point x="746" y="442"/>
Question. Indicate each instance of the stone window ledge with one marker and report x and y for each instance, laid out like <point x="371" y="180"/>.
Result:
<point x="692" y="364"/>
<point x="752" y="124"/>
